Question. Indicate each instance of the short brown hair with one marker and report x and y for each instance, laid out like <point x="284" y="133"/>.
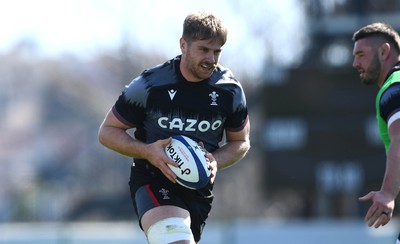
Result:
<point x="381" y="30"/>
<point x="204" y="26"/>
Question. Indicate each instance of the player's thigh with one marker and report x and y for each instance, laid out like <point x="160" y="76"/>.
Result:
<point x="162" y="212"/>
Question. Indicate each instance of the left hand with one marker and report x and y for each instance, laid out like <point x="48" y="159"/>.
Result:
<point x="213" y="166"/>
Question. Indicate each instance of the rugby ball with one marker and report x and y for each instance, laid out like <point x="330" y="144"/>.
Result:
<point x="192" y="171"/>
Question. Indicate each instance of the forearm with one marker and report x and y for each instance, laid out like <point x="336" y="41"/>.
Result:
<point x="230" y="153"/>
<point x="391" y="180"/>
<point x="120" y="141"/>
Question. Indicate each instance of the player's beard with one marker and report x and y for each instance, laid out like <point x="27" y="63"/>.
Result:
<point x="197" y="68"/>
<point x="373" y="72"/>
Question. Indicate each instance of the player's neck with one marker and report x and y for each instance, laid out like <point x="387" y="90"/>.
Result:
<point x="187" y="74"/>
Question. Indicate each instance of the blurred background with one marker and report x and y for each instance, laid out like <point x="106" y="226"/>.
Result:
<point x="315" y="146"/>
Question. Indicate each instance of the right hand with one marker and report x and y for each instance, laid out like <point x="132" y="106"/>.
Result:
<point x="381" y="210"/>
<point x="156" y="155"/>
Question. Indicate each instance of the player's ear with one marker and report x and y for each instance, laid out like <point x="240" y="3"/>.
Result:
<point x="384" y="50"/>
<point x="183" y="45"/>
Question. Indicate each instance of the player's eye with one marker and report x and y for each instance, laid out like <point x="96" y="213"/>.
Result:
<point x="204" y="50"/>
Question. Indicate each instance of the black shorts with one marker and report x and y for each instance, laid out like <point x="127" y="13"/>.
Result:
<point x="150" y="189"/>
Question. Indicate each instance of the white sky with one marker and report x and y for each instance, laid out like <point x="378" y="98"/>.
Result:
<point x="256" y="31"/>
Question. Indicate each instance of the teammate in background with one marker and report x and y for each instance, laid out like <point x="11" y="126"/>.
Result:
<point x="190" y="95"/>
<point x="377" y="59"/>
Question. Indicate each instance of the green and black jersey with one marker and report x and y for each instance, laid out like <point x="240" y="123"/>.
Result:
<point x="388" y="103"/>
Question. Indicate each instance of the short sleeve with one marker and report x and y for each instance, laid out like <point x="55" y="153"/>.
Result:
<point x="130" y="106"/>
<point x="390" y="101"/>
<point x="239" y="117"/>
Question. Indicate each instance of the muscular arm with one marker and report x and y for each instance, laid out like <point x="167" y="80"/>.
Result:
<point x="113" y="135"/>
<point x="391" y="181"/>
<point x="236" y="146"/>
<point x="384" y="199"/>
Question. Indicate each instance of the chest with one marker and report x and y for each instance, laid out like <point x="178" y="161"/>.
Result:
<point x="195" y="100"/>
<point x="193" y="109"/>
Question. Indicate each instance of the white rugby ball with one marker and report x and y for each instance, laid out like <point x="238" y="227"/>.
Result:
<point x="193" y="171"/>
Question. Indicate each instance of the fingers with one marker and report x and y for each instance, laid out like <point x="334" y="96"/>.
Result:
<point x="367" y="197"/>
<point x="167" y="172"/>
<point x="201" y="144"/>
<point x="157" y="157"/>
<point x="372" y="209"/>
<point x="380" y="212"/>
<point x="379" y="218"/>
<point x="213" y="167"/>
<point x="166" y="141"/>
<point x="378" y="221"/>
<point x="385" y="218"/>
<point x="369" y="217"/>
<point x="166" y="159"/>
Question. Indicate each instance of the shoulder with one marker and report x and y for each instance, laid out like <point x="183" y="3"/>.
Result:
<point x="390" y="101"/>
<point x="159" y="75"/>
<point x="392" y="91"/>
<point x="391" y="86"/>
<point x="223" y="78"/>
<point x="224" y="81"/>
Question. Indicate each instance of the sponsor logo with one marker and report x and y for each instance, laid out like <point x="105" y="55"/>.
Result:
<point x="188" y="124"/>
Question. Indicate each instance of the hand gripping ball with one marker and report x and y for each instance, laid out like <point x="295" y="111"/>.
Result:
<point x="193" y="166"/>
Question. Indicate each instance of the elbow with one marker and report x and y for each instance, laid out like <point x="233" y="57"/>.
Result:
<point x="101" y="137"/>
<point x="243" y="149"/>
<point x="246" y="144"/>
<point x="246" y="147"/>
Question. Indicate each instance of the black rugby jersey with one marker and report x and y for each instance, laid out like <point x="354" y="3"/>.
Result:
<point x="160" y="103"/>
